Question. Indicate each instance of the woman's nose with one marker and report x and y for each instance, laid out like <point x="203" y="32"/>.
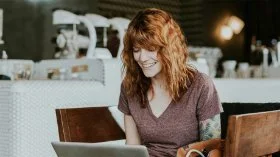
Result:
<point x="142" y="55"/>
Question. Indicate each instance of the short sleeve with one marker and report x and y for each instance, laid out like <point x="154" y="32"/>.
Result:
<point x="209" y="102"/>
<point x="123" y="102"/>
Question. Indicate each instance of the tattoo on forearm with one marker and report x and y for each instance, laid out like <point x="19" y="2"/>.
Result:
<point x="210" y="128"/>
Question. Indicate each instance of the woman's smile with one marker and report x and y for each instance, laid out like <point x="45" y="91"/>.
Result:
<point x="147" y="65"/>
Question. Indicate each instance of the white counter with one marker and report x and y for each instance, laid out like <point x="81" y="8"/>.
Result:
<point x="27" y="112"/>
<point x="248" y="90"/>
<point x="27" y="108"/>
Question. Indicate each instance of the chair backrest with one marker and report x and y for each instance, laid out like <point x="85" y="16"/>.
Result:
<point x="254" y="134"/>
<point x="94" y="124"/>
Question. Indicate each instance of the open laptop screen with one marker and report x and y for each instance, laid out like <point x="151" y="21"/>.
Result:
<point x="75" y="149"/>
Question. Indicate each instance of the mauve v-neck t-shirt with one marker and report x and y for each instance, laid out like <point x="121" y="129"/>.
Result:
<point x="178" y="125"/>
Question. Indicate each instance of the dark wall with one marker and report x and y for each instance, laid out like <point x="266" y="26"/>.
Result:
<point x="49" y="30"/>
<point x="262" y="21"/>
<point x="128" y="8"/>
<point x="28" y="28"/>
<point x="28" y="25"/>
<point x="260" y="17"/>
<point x="216" y="13"/>
<point x="192" y="21"/>
<point x="22" y="29"/>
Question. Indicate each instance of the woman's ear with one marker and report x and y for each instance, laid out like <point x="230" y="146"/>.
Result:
<point x="171" y="31"/>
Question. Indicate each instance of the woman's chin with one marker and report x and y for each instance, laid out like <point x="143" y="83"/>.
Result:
<point x="149" y="75"/>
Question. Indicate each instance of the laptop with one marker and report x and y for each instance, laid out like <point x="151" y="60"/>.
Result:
<point x="76" y="149"/>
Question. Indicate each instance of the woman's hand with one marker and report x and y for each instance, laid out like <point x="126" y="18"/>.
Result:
<point x="212" y="147"/>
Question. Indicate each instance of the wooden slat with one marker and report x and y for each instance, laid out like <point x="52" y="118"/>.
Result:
<point x="62" y="122"/>
<point x="187" y="13"/>
<point x="191" y="2"/>
<point x="192" y="23"/>
<point x="189" y="10"/>
<point x="146" y="4"/>
<point x="193" y="30"/>
<point x="174" y="3"/>
<point x="193" y="16"/>
<point x="133" y="9"/>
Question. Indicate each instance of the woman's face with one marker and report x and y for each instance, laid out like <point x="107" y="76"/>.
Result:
<point x="148" y="61"/>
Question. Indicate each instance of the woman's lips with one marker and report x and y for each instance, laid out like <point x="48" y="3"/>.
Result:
<point x="148" y="65"/>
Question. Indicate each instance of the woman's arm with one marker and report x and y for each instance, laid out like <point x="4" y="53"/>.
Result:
<point x="210" y="128"/>
<point x="131" y="132"/>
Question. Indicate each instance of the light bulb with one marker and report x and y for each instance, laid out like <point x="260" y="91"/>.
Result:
<point x="226" y="32"/>
<point x="236" y="24"/>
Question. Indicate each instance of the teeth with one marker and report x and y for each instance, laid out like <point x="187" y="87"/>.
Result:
<point x="148" y="65"/>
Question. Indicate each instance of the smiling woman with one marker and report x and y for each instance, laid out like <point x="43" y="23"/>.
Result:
<point x="167" y="103"/>
<point x="148" y="61"/>
<point x="154" y="30"/>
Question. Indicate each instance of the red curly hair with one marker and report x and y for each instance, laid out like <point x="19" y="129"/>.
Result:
<point x="154" y="29"/>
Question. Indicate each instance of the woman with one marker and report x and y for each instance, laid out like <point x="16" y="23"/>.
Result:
<point x="167" y="104"/>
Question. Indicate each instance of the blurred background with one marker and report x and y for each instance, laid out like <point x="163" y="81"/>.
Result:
<point x="29" y="32"/>
<point x="57" y="54"/>
<point x="28" y="29"/>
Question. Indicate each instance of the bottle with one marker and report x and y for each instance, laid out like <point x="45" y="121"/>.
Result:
<point x="265" y="62"/>
<point x="4" y="71"/>
<point x="243" y="70"/>
<point x="256" y="57"/>
<point x="273" y="52"/>
<point x="253" y="43"/>
<point x="278" y="50"/>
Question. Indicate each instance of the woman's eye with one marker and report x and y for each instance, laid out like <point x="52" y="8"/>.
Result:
<point x="152" y="49"/>
<point x="136" y="50"/>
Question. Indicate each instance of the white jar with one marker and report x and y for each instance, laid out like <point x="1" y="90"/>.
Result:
<point x="229" y="69"/>
<point x="243" y="70"/>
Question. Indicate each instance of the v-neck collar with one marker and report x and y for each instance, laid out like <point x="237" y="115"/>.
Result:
<point x="172" y="103"/>
<point x="162" y="114"/>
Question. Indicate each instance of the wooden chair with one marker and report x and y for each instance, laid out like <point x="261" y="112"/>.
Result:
<point x="253" y="135"/>
<point x="94" y="124"/>
<point x="248" y="135"/>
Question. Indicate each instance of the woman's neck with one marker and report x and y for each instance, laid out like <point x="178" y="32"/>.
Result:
<point x="158" y="81"/>
<point x="159" y="88"/>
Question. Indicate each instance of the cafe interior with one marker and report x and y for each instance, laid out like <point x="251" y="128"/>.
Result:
<point x="61" y="70"/>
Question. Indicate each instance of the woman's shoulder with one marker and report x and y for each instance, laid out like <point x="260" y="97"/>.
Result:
<point x="123" y="89"/>
<point x="202" y="79"/>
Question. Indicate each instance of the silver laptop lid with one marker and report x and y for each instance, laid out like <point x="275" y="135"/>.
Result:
<point x="76" y="149"/>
